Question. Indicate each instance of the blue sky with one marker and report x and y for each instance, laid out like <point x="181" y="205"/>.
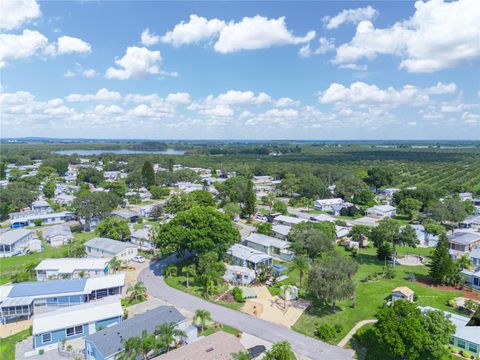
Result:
<point x="240" y="70"/>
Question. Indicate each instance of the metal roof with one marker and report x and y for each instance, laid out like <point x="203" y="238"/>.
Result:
<point x="69" y="265"/>
<point x="107" y="308"/>
<point x="109" y="341"/>
<point x="267" y="241"/>
<point x="47" y="288"/>
<point x="281" y="229"/>
<point x="18" y="301"/>
<point x="12" y="236"/>
<point x="245" y="253"/>
<point x="55" y="230"/>
<point x="464" y="238"/>
<point x="108" y="245"/>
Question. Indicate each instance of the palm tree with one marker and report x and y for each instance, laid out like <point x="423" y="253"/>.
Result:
<point x="171" y="270"/>
<point x="168" y="333"/>
<point x="114" y="264"/>
<point x="137" y="291"/>
<point x="301" y="264"/>
<point x="202" y="316"/>
<point x="241" y="355"/>
<point x="464" y="262"/>
<point x="189" y="270"/>
<point x="131" y="350"/>
<point x="147" y="344"/>
<point x="280" y="351"/>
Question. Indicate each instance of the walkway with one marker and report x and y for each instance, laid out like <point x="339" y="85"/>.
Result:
<point x="303" y="345"/>
<point x="352" y="332"/>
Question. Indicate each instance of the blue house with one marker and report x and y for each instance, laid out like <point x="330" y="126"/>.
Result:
<point x="50" y="328"/>
<point x="18" y="301"/>
<point x="107" y="343"/>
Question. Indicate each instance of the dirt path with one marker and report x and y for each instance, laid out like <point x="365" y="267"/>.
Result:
<point x="347" y="337"/>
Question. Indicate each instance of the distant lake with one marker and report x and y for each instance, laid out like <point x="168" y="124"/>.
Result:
<point x="121" y="152"/>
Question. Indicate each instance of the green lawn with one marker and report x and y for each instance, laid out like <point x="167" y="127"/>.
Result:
<point x="7" y="345"/>
<point x="372" y="295"/>
<point x="11" y="265"/>
<point x="179" y="282"/>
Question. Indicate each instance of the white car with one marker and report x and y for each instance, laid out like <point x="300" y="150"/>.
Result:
<point x="138" y="259"/>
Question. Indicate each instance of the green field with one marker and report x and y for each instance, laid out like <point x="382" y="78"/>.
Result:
<point x="372" y="295"/>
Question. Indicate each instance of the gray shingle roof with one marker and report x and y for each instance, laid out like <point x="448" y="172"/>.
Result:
<point x="465" y="238"/>
<point x="108" y="245"/>
<point x="109" y="340"/>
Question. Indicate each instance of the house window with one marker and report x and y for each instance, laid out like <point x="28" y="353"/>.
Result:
<point x="452" y="341"/>
<point x="473" y="348"/>
<point x="46" y="338"/>
<point x="461" y="344"/>
<point x="76" y="330"/>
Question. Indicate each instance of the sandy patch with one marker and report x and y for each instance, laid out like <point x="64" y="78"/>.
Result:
<point x="15" y="327"/>
<point x="274" y="309"/>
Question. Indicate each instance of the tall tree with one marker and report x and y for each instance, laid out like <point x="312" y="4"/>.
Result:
<point x="441" y="266"/>
<point x="113" y="228"/>
<point x="137" y="291"/>
<point x="148" y="174"/>
<point x="189" y="271"/>
<point x="49" y="189"/>
<point x="331" y="279"/>
<point x="199" y="230"/>
<point x="94" y="205"/>
<point x="387" y="236"/>
<point x="249" y="201"/>
<point x="410" y="207"/>
<point x="380" y="176"/>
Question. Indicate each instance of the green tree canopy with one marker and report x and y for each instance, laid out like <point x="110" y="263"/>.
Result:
<point x="148" y="174"/>
<point x="199" y="229"/>
<point x="113" y="228"/>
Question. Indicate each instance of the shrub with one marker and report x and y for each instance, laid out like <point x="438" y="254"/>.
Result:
<point x="238" y="294"/>
<point x="41" y="351"/>
<point x="451" y="303"/>
<point x="69" y="347"/>
<point x="389" y="273"/>
<point x="140" y="220"/>
<point x="325" y="332"/>
<point x="338" y="328"/>
<point x="38" y="222"/>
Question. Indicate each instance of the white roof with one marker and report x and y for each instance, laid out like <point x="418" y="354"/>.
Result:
<point x="334" y="201"/>
<point x="51" y="231"/>
<point x="41" y="216"/>
<point x="289" y="219"/>
<point x="267" y="241"/>
<point x="245" y="253"/>
<point x="323" y="217"/>
<point x="69" y="265"/>
<point x="382" y="208"/>
<point x="108" y="245"/>
<point x="367" y="221"/>
<point x="240" y="269"/>
<point x="12" y="236"/>
<point x="281" y="229"/>
<point x="103" y="282"/>
<point x="77" y="315"/>
<point x="40" y="203"/>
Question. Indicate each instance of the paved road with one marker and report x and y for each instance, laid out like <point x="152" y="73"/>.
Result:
<point x="302" y="345"/>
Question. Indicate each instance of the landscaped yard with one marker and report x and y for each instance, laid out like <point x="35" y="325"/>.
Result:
<point x="7" y="345"/>
<point x="11" y="265"/>
<point x="179" y="282"/>
<point x="371" y="295"/>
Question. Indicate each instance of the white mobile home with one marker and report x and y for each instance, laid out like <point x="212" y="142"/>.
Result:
<point x="109" y="248"/>
<point x="71" y="268"/>
<point x="14" y="242"/>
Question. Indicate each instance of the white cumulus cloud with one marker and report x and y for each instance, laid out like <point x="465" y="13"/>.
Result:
<point x="101" y="95"/>
<point x="69" y="45"/>
<point x="15" y="13"/>
<point x="350" y="16"/>
<point x="195" y="30"/>
<point x="149" y="39"/>
<point x="324" y="45"/>
<point x="137" y="62"/>
<point x="179" y="98"/>
<point x="257" y="32"/>
<point x="25" y="45"/>
<point x="440" y="35"/>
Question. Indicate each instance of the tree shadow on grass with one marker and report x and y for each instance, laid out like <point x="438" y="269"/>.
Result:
<point x="321" y="308"/>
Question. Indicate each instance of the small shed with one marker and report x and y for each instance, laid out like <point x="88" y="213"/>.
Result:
<point x="292" y="294"/>
<point x="402" y="293"/>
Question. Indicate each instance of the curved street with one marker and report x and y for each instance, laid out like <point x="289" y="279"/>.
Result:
<point x="303" y="345"/>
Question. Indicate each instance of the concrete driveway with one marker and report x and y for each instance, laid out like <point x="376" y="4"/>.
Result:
<point x="303" y="345"/>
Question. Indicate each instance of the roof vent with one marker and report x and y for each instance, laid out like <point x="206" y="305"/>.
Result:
<point x="209" y="349"/>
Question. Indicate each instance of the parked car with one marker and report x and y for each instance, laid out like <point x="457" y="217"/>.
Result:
<point x="138" y="259"/>
<point x="261" y="217"/>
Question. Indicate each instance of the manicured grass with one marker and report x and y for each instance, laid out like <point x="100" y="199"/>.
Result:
<point x="7" y="345"/>
<point x="402" y="219"/>
<point x="370" y="296"/>
<point x="11" y="265"/>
